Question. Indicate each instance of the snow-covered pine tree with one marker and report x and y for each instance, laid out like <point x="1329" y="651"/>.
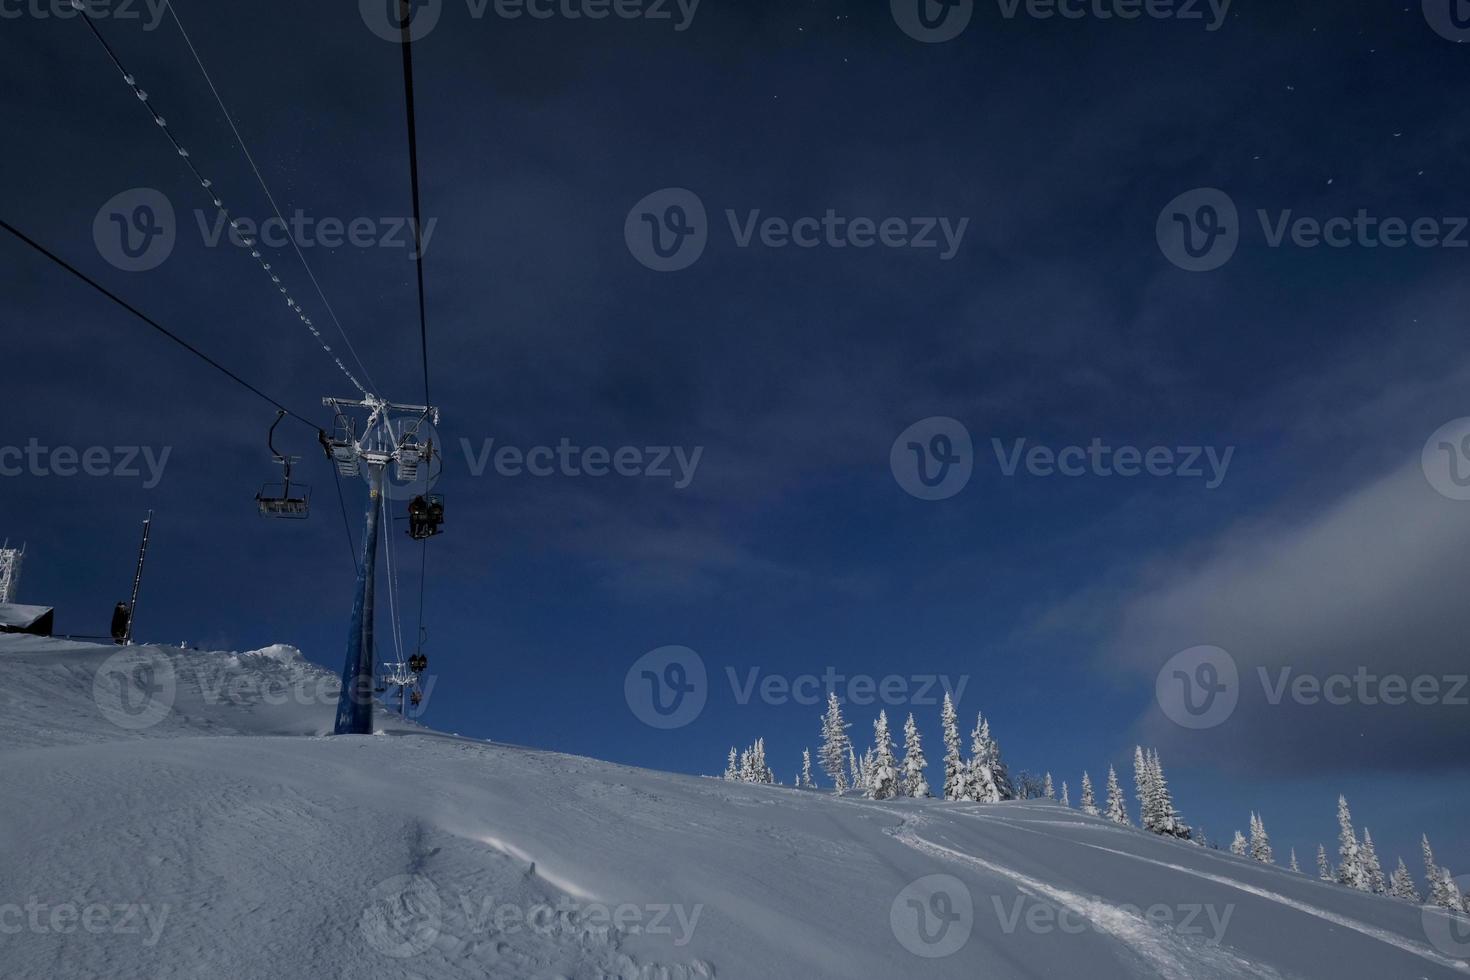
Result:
<point x="1371" y="868"/>
<point x="1293" y="865"/>
<point x="1431" y="872"/>
<point x="1401" y="884"/>
<point x="1117" y="806"/>
<point x="747" y="769"/>
<point x="732" y="766"/>
<point x="758" y="770"/>
<point x="1047" y="789"/>
<point x="988" y="782"/>
<point x="883" y="778"/>
<point x="806" y="770"/>
<point x="1324" y="870"/>
<point x="1260" y="842"/>
<point x="832" y="753"/>
<point x="914" y="782"/>
<point x="1065" y="801"/>
<point x="1166" y="819"/>
<point x="1143" y="787"/>
<point x="1089" y="802"/>
<point x="1446" y="894"/>
<point x="856" y="774"/>
<point x="1350" y="872"/>
<point x="1238" y="846"/>
<point x="956" y="774"/>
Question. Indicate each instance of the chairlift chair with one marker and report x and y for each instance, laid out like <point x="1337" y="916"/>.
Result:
<point x="283" y="500"/>
<point x="415" y="699"/>
<point x="342" y="447"/>
<point x="426" y="516"/>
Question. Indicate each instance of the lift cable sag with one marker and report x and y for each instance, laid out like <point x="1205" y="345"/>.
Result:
<point x="173" y="12"/>
<point x="208" y="186"/>
<point x="22" y="236"/>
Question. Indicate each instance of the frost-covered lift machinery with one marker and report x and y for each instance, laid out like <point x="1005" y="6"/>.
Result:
<point x="390" y="434"/>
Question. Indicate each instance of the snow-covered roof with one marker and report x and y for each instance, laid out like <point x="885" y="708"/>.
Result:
<point x="21" y="617"/>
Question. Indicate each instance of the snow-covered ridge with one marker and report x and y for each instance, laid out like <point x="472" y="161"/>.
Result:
<point x="230" y="838"/>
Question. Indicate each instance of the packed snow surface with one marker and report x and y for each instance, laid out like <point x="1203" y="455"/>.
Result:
<point x="176" y="814"/>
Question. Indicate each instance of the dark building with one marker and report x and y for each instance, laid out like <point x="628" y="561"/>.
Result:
<point x="36" y="620"/>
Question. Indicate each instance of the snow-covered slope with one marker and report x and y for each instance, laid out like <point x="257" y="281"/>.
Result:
<point x="225" y="837"/>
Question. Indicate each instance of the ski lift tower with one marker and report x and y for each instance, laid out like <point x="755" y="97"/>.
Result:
<point x="10" y="560"/>
<point x="390" y="434"/>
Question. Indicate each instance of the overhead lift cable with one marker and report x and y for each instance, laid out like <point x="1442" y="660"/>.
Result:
<point x="405" y="15"/>
<point x="268" y="195"/>
<point x="405" y="19"/>
<point x="208" y="186"/>
<point x="43" y="250"/>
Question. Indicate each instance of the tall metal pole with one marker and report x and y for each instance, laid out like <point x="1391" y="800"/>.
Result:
<point x="355" y="706"/>
<point x="137" y="581"/>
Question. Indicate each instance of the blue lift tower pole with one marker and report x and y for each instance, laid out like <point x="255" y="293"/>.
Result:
<point x="392" y="435"/>
<point x="355" y="705"/>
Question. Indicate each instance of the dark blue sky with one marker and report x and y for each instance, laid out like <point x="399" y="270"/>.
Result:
<point x="794" y="549"/>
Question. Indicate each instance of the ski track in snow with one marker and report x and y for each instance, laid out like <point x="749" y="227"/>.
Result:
<point x="1170" y="954"/>
<point x="1382" y="935"/>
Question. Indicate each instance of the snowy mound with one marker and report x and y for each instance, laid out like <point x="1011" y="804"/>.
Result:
<point x="224" y="837"/>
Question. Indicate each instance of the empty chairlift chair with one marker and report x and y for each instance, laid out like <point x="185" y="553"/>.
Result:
<point x="284" y="499"/>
